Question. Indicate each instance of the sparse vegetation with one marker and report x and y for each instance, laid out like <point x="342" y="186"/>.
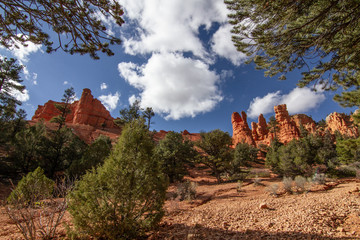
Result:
<point x="273" y="189"/>
<point x="300" y="184"/>
<point x="239" y="186"/>
<point x="36" y="207"/>
<point x="287" y="184"/>
<point x="186" y="191"/>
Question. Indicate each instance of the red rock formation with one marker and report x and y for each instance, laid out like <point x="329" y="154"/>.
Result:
<point x="194" y="137"/>
<point x="287" y="127"/>
<point x="241" y="130"/>
<point x="88" y="111"/>
<point x="85" y="132"/>
<point x="260" y="132"/>
<point x="341" y="123"/>
<point x="307" y="122"/>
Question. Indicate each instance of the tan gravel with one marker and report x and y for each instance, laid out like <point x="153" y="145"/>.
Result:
<point x="223" y="213"/>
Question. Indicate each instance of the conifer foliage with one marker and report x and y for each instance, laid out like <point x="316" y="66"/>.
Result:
<point x="77" y="24"/>
<point x="320" y="37"/>
<point x="123" y="198"/>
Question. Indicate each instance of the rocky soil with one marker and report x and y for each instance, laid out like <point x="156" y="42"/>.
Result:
<point x="220" y="211"/>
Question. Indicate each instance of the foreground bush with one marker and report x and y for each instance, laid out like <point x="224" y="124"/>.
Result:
<point x="123" y="198"/>
<point x="33" y="187"/>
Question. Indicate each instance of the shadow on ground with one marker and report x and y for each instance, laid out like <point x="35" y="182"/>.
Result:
<point x="183" y="232"/>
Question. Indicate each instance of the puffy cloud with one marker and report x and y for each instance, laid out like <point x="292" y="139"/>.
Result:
<point x="110" y="101"/>
<point x="170" y="26"/>
<point x="224" y="47"/>
<point x="264" y="104"/>
<point x="302" y="99"/>
<point x="103" y="86"/>
<point x="22" y="52"/>
<point x="299" y="100"/>
<point x="174" y="85"/>
<point x="20" y="96"/>
<point x="65" y="82"/>
<point x="132" y="99"/>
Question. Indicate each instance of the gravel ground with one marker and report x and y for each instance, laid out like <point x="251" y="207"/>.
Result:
<point x="223" y="213"/>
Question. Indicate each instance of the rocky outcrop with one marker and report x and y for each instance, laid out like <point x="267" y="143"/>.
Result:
<point x="287" y="127"/>
<point x="341" y="123"/>
<point x="305" y="121"/>
<point x="194" y="137"/>
<point x="88" y="118"/>
<point x="241" y="130"/>
<point x="260" y="132"/>
<point x="87" y="111"/>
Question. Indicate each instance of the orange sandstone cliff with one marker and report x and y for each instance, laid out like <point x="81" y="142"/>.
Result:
<point x="88" y="118"/>
<point x="287" y="127"/>
<point x="88" y="111"/>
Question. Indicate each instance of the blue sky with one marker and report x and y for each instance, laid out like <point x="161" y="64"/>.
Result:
<point x="176" y="57"/>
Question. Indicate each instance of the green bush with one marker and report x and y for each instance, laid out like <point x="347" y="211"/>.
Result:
<point x="298" y="157"/>
<point x="33" y="187"/>
<point x="123" y="198"/>
<point x="244" y="154"/>
<point x="345" y="171"/>
<point x="348" y="150"/>
<point x="175" y="152"/>
<point x="94" y="155"/>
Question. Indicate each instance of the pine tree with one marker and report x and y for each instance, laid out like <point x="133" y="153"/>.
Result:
<point x="217" y="153"/>
<point x="11" y="119"/>
<point x="148" y="113"/>
<point x="64" y="107"/>
<point x="94" y="156"/>
<point x="174" y="153"/>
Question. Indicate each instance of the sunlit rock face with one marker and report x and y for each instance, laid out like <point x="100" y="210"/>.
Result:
<point x="287" y="127"/>
<point x="88" y="118"/>
<point x="342" y="123"/>
<point x="88" y="111"/>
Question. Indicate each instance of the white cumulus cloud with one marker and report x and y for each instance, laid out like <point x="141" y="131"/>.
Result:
<point x="173" y="85"/>
<point x="264" y="104"/>
<point x="22" y="52"/>
<point x="110" y="101"/>
<point x="103" y="86"/>
<point x="20" y="96"/>
<point x="224" y="47"/>
<point x="299" y="100"/>
<point x="163" y="25"/>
